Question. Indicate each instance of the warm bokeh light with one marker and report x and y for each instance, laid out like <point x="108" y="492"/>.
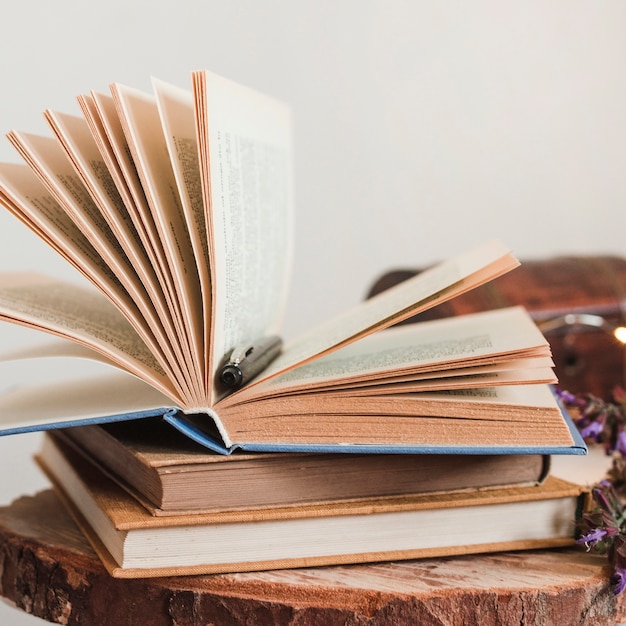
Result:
<point x="620" y="334"/>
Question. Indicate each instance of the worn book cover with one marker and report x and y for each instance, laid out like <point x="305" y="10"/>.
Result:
<point x="170" y="474"/>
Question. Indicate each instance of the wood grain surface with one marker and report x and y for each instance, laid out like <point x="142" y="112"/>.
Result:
<point x="49" y="570"/>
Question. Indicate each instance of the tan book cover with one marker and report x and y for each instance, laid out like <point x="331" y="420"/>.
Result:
<point x="171" y="474"/>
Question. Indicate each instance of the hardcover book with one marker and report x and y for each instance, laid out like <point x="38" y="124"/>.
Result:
<point x="171" y="474"/>
<point x="133" y="543"/>
<point x="177" y="207"/>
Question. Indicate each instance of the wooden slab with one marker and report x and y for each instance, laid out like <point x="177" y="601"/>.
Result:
<point x="48" y="569"/>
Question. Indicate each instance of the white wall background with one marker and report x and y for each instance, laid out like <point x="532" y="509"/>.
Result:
<point x="421" y="127"/>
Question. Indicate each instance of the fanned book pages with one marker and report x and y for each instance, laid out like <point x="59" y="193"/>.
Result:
<point x="134" y="543"/>
<point x="176" y="206"/>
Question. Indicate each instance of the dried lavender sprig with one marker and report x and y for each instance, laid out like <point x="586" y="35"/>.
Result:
<point x="604" y="528"/>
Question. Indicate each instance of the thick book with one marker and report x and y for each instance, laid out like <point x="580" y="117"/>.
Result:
<point x="171" y="474"/>
<point x="177" y="207"/>
<point x="133" y="543"/>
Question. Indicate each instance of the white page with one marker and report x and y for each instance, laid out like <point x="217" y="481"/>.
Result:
<point x="49" y="162"/>
<point x="77" y="140"/>
<point x="466" y="378"/>
<point x="440" y="345"/>
<point x="47" y="159"/>
<point x="22" y="193"/>
<point x="176" y="109"/>
<point x="427" y="289"/>
<point x="106" y="127"/>
<point x="141" y="122"/>
<point x="49" y="379"/>
<point x="82" y="315"/>
<point x="246" y="160"/>
<point x="483" y="366"/>
<point x="74" y="135"/>
<point x="37" y="404"/>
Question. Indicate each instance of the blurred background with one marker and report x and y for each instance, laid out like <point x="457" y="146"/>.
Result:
<point x="421" y="128"/>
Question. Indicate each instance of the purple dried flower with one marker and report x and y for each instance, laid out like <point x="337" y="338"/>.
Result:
<point x="597" y="420"/>
<point x="605" y="496"/>
<point x="621" y="443"/>
<point x="604" y="527"/>
<point x="592" y="537"/>
<point x="619" y="580"/>
<point x="567" y="397"/>
<point x="593" y="430"/>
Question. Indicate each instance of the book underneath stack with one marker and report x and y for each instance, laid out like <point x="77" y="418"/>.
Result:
<point x="154" y="503"/>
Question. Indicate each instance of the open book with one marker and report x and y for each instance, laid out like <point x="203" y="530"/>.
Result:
<point x="177" y="207"/>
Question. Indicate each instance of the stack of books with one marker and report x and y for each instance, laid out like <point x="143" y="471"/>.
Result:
<point x="162" y="505"/>
<point x="191" y="439"/>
